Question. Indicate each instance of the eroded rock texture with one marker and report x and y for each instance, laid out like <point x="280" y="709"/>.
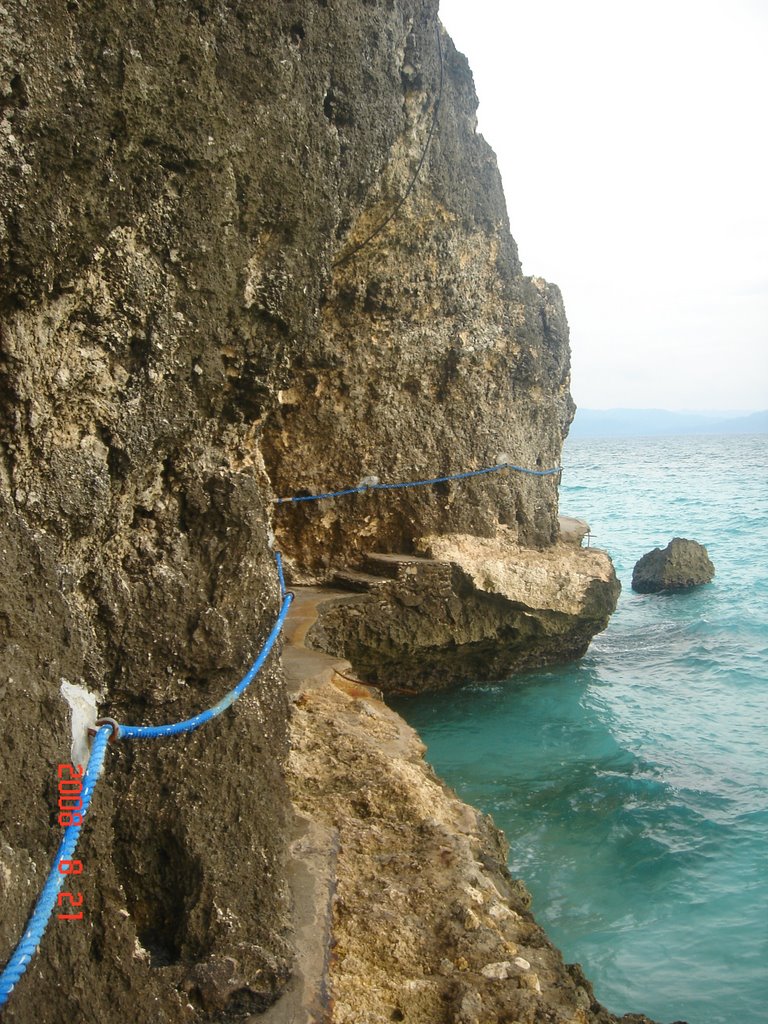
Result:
<point x="180" y="339"/>
<point x="476" y="608"/>
<point x="681" y="565"/>
<point x="431" y="354"/>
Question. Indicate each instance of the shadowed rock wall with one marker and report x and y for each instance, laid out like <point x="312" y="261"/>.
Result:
<point x="176" y="346"/>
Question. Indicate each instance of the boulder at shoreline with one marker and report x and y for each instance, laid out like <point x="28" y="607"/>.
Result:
<point x="682" y="564"/>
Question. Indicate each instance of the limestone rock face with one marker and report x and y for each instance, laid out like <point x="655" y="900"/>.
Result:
<point x="682" y="564"/>
<point x="182" y="337"/>
<point x="474" y="608"/>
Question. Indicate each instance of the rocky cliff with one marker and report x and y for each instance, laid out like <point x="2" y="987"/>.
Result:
<point x="204" y="305"/>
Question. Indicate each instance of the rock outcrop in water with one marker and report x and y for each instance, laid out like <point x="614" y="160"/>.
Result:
<point x="182" y="338"/>
<point x="471" y="608"/>
<point x="681" y="565"/>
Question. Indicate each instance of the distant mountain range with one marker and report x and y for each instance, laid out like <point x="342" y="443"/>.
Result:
<point x="655" y="422"/>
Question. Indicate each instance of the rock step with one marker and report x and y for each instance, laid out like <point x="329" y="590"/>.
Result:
<point x="305" y="667"/>
<point x="390" y="565"/>
<point x="351" y="579"/>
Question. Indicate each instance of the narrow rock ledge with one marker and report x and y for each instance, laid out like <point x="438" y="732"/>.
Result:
<point x="467" y="608"/>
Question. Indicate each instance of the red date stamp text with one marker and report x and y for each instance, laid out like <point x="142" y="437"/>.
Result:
<point x="70" y="805"/>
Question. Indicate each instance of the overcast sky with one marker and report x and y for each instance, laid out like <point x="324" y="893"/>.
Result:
<point x="633" y="143"/>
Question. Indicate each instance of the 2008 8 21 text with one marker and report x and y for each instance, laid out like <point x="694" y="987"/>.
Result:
<point x="70" y="804"/>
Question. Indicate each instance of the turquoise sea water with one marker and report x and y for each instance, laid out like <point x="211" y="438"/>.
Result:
<point x="633" y="785"/>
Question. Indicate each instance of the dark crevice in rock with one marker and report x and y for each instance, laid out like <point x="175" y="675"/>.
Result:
<point x="15" y="95"/>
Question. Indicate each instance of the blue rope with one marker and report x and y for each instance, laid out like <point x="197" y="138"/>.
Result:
<point x="38" y="922"/>
<point x="281" y="578"/>
<point x="175" y="728"/>
<point x="420" y="483"/>
<point x="40" y="916"/>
